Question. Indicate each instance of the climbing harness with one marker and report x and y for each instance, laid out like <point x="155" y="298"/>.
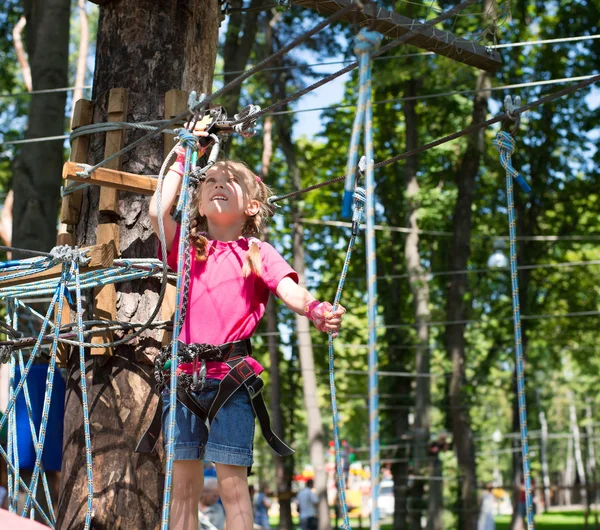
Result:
<point x="505" y="144"/>
<point x="235" y="355"/>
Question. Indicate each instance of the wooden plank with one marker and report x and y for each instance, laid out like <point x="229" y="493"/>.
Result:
<point x="111" y="178"/>
<point x="102" y="256"/>
<point x="115" y="140"/>
<point x="393" y="25"/>
<point x="71" y="204"/>
<point x="175" y="104"/>
<point x="105" y="297"/>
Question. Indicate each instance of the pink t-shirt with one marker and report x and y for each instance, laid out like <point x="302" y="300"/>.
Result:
<point x="223" y="305"/>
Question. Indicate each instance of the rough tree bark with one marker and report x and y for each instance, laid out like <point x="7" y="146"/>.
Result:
<point x="456" y="311"/>
<point x="417" y="278"/>
<point x="38" y="166"/>
<point x="148" y="48"/>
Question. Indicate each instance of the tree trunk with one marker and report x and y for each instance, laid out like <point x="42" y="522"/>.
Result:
<point x="419" y="286"/>
<point x="241" y="35"/>
<point x="316" y="437"/>
<point x="38" y="166"/>
<point x="456" y="311"/>
<point x="148" y="48"/>
<point x="283" y="467"/>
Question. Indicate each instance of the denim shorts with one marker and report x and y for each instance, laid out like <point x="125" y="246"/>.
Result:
<point x="231" y="436"/>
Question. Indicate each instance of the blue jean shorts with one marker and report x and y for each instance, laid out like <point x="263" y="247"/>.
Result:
<point x="231" y="436"/>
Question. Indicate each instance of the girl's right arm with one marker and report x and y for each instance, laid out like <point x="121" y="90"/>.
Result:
<point x="170" y="189"/>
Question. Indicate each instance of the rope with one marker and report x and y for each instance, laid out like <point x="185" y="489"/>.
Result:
<point x="359" y="204"/>
<point x="84" y="402"/>
<point x="39" y="444"/>
<point x="183" y="262"/>
<point x="464" y="132"/>
<point x="506" y="146"/>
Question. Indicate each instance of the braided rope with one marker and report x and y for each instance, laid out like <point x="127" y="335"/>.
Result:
<point x="359" y="204"/>
<point x="180" y="297"/>
<point x="84" y="402"/>
<point x="506" y="146"/>
<point x="39" y="444"/>
<point x="366" y="42"/>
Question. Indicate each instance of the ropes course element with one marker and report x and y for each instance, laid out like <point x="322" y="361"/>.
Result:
<point x="359" y="205"/>
<point x="65" y="272"/>
<point x="464" y="132"/>
<point x="505" y="144"/>
<point x="366" y="41"/>
<point x="352" y="66"/>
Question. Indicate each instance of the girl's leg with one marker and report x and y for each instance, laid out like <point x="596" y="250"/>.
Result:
<point x="188" y="480"/>
<point x="233" y="488"/>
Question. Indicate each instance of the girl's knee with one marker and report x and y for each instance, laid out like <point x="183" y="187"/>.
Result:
<point x="233" y="483"/>
<point x="188" y="479"/>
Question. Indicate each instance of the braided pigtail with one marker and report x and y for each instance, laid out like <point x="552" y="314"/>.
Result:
<point x="253" y="227"/>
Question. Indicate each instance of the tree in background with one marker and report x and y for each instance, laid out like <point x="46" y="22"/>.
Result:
<point x="38" y="166"/>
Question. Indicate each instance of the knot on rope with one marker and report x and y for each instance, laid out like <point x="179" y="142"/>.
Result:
<point x="505" y="144"/>
<point x="187" y="139"/>
<point x="67" y="254"/>
<point x="246" y="128"/>
<point x="5" y="353"/>
<point x="366" y="41"/>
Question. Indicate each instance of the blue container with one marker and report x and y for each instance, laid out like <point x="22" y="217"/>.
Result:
<point x="36" y="384"/>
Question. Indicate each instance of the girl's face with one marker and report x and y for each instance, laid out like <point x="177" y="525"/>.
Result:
<point x="224" y="197"/>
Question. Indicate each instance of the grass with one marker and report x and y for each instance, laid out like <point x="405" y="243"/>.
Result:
<point x="551" y="521"/>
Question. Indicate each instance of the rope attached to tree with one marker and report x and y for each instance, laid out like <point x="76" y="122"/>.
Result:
<point x="506" y="147"/>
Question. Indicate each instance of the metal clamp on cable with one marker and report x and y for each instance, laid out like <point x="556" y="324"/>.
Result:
<point x="67" y="254"/>
<point x="6" y="351"/>
<point x="85" y="173"/>
<point x="246" y="128"/>
<point x="360" y="199"/>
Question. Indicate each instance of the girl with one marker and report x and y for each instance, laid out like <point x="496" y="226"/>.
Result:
<point x="231" y="276"/>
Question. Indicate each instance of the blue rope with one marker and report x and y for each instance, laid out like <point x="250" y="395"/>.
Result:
<point x="84" y="402"/>
<point x="366" y="42"/>
<point x="506" y="147"/>
<point x="359" y="204"/>
<point x="184" y="206"/>
<point x="39" y="444"/>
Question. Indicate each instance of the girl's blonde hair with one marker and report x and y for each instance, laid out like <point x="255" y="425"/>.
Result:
<point x="252" y="228"/>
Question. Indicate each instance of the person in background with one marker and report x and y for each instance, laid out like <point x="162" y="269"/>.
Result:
<point x="209" y="506"/>
<point x="262" y="503"/>
<point x="307" y="506"/>
<point x="487" y="510"/>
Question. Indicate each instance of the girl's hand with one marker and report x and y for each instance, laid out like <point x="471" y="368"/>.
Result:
<point x="324" y="318"/>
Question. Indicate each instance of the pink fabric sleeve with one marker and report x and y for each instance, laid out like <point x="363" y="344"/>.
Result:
<point x="172" y="254"/>
<point x="274" y="267"/>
